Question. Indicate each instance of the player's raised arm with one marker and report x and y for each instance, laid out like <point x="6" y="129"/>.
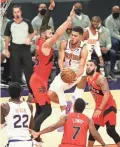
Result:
<point x="102" y="82"/>
<point x="84" y="54"/>
<point x="94" y="133"/>
<point x="46" y="18"/>
<point x="61" y="54"/>
<point x="59" y="32"/>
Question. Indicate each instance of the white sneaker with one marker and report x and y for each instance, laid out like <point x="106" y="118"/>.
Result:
<point x="37" y="144"/>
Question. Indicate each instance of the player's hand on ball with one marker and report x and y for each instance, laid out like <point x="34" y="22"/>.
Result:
<point x="97" y="113"/>
<point x="34" y="134"/>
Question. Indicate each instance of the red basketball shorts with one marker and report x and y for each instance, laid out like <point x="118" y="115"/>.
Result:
<point x="39" y="88"/>
<point x="108" y="115"/>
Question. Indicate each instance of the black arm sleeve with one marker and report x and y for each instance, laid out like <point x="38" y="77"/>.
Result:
<point x="46" y="18"/>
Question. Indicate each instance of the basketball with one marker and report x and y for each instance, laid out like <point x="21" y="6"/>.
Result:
<point x="68" y="75"/>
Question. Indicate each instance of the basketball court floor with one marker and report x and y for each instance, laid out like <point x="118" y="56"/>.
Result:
<point x="53" y="139"/>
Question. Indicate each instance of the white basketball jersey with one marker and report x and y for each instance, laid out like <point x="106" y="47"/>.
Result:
<point x="92" y="42"/>
<point x="72" y="57"/>
<point x="18" y="121"/>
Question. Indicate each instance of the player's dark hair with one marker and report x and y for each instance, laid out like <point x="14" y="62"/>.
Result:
<point x="79" y="105"/>
<point x="44" y="28"/>
<point x="94" y="61"/>
<point x="17" y="6"/>
<point x="78" y="29"/>
<point x="96" y="17"/>
<point x="96" y="64"/>
<point x="14" y="90"/>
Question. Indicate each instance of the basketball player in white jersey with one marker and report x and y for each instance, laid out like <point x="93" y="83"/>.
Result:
<point x="72" y="54"/>
<point x="18" y="118"/>
<point x="91" y="37"/>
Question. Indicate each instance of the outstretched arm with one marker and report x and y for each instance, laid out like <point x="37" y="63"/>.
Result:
<point x="59" y="32"/>
<point x="46" y="18"/>
<point x="51" y="128"/>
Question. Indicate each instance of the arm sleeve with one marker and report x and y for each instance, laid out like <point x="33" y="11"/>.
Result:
<point x="7" y="29"/>
<point x="46" y="18"/>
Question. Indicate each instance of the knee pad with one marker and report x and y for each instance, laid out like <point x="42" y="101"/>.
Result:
<point x="91" y="138"/>
<point x="113" y="134"/>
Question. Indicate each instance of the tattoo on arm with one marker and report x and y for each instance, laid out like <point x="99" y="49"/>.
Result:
<point x="103" y="84"/>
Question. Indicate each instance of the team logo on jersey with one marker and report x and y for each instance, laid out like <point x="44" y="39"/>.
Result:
<point x="94" y="90"/>
<point x="42" y="89"/>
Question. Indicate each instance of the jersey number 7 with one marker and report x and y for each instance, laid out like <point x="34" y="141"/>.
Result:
<point x="77" y="130"/>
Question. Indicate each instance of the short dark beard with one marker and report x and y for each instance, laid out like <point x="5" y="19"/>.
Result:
<point x="90" y="73"/>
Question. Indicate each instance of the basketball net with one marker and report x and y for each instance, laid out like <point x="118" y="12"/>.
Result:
<point x="4" y="4"/>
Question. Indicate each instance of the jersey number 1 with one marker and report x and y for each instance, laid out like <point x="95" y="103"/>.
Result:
<point x="19" y="119"/>
<point x="77" y="129"/>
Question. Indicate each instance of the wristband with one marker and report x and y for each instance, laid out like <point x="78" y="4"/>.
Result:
<point x="99" y="109"/>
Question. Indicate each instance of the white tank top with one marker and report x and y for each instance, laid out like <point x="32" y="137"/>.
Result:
<point x="91" y="42"/>
<point x="72" y="57"/>
<point x="18" y="121"/>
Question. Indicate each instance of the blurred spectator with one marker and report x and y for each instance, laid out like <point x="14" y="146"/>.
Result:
<point x="21" y="32"/>
<point x="112" y="22"/>
<point x="108" y="53"/>
<point x="91" y="35"/>
<point x="4" y="23"/>
<point x="80" y="19"/>
<point x="2" y="50"/>
<point x="37" y="21"/>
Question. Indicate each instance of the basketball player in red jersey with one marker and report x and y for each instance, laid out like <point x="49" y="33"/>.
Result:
<point x="105" y="109"/>
<point x="76" y="126"/>
<point x="43" y="67"/>
<point x="91" y="37"/>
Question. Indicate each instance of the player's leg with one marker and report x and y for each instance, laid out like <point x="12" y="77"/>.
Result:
<point x="38" y="110"/>
<point x="91" y="139"/>
<point x="110" y="121"/>
<point x="41" y="97"/>
<point x="80" y="88"/>
<point x="56" y="90"/>
<point x="112" y="133"/>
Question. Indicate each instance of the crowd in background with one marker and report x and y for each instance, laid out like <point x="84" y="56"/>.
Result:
<point x="109" y="31"/>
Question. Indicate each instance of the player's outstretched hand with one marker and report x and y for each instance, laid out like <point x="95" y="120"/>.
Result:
<point x="34" y="134"/>
<point x="52" y="5"/>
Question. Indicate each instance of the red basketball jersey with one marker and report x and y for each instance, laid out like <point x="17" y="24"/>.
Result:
<point x="43" y="64"/>
<point x="75" y="129"/>
<point x="97" y="92"/>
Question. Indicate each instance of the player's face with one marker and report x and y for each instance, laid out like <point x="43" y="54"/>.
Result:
<point x="91" y="68"/>
<point x="95" y="23"/>
<point x="17" y="12"/>
<point x="48" y="33"/>
<point x="76" y="37"/>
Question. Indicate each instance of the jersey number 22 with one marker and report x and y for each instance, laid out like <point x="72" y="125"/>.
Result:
<point x="21" y="121"/>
